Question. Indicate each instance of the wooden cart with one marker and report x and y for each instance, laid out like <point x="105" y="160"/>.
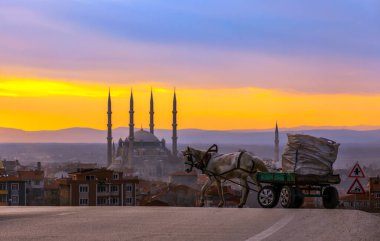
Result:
<point x="291" y="188"/>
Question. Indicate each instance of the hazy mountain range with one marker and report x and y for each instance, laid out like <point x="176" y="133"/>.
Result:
<point x="185" y="136"/>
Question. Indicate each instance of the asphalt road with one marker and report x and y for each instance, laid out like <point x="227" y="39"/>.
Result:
<point x="170" y="223"/>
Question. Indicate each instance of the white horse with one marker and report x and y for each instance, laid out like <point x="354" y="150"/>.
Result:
<point x="219" y="167"/>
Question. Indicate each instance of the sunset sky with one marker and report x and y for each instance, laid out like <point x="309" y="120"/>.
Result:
<point x="234" y="64"/>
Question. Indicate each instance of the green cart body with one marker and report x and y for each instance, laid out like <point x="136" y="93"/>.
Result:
<point x="291" y="188"/>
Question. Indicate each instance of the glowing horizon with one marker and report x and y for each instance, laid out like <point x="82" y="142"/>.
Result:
<point x="51" y="105"/>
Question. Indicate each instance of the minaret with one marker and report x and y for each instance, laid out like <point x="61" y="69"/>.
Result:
<point x="113" y="150"/>
<point x="131" y="132"/>
<point x="276" y="145"/>
<point x="174" y="137"/>
<point x="109" y="132"/>
<point x="151" y="113"/>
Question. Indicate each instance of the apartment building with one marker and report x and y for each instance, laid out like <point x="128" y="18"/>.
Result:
<point x="12" y="191"/>
<point x="97" y="187"/>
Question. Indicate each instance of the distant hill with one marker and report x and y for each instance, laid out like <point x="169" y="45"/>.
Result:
<point x="254" y="137"/>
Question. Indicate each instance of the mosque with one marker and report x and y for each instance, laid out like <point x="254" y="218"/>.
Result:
<point x="142" y="154"/>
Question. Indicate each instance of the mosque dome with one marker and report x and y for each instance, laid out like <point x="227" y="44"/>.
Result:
<point x="145" y="136"/>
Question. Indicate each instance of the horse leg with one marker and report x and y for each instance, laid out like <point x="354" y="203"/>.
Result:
<point x="244" y="196"/>
<point x="203" y="191"/>
<point x="220" y="192"/>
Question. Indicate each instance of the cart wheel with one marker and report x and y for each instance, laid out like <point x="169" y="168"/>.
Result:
<point x="330" y="197"/>
<point x="287" y="196"/>
<point x="298" y="198"/>
<point x="268" y="197"/>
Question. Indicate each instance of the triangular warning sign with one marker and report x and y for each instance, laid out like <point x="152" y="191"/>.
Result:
<point x="356" y="188"/>
<point x="357" y="171"/>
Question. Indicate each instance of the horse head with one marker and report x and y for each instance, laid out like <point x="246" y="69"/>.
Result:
<point x="193" y="158"/>
<point x="197" y="158"/>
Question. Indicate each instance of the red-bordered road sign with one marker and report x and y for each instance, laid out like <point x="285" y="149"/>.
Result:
<point x="356" y="188"/>
<point x="356" y="171"/>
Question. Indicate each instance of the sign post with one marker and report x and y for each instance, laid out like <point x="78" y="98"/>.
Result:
<point x="356" y="187"/>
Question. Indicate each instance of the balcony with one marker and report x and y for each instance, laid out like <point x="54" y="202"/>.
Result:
<point x="4" y="192"/>
<point x="106" y="194"/>
<point x="103" y="194"/>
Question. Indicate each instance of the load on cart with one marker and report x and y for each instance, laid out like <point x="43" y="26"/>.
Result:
<point x="307" y="171"/>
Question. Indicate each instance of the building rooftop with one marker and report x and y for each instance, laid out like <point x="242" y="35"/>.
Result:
<point x="89" y="170"/>
<point x="145" y="136"/>
<point x="24" y="176"/>
<point x="31" y="175"/>
<point x="12" y="178"/>
<point x="51" y="184"/>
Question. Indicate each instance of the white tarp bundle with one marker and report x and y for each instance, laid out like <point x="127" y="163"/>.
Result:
<point x="316" y="156"/>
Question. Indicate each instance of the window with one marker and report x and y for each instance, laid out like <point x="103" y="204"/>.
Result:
<point x="83" y="201"/>
<point x="3" y="186"/>
<point x="128" y="200"/>
<point x="37" y="182"/>
<point x="14" y="187"/>
<point x="129" y="187"/>
<point x="14" y="199"/>
<point x="101" y="201"/>
<point x="114" y="201"/>
<point x="3" y="198"/>
<point x="377" y="194"/>
<point x="90" y="178"/>
<point x="377" y="205"/>
<point x="102" y="188"/>
<point x="114" y="188"/>
<point x="83" y="188"/>
<point x="115" y="176"/>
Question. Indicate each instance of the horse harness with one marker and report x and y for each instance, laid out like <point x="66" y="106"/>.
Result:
<point x="203" y="162"/>
<point x="238" y="166"/>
